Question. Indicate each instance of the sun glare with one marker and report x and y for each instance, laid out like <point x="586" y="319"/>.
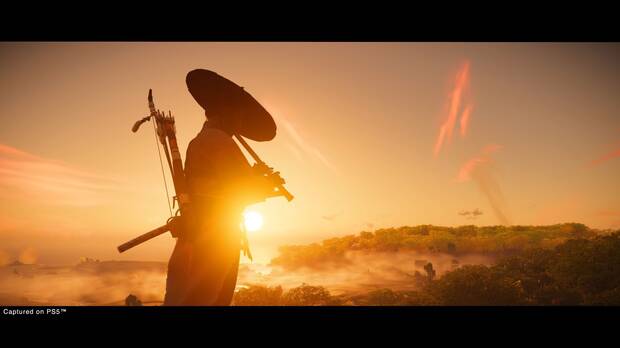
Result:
<point x="253" y="221"/>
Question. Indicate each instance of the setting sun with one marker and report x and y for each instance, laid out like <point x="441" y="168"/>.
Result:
<point x="253" y="221"/>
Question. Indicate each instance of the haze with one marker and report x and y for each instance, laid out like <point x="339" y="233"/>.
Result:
<point x="370" y="135"/>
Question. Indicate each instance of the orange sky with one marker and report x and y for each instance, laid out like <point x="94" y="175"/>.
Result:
<point x="531" y="136"/>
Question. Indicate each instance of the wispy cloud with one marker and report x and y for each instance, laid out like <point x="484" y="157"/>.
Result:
<point x="26" y="175"/>
<point x="455" y="102"/>
<point x="303" y="145"/>
<point x="293" y="148"/>
<point x="477" y="161"/>
<point x="607" y="157"/>
<point x="479" y="170"/>
<point x="465" y="119"/>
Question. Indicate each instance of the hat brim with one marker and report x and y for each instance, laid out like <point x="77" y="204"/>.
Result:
<point x="244" y="114"/>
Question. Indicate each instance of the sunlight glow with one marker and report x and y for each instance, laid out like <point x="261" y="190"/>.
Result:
<point x="253" y="221"/>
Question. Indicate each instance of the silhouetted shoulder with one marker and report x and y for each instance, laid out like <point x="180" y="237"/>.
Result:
<point x="217" y="136"/>
<point x="212" y="145"/>
<point x="210" y="138"/>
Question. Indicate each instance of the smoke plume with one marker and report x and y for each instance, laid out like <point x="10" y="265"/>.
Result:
<point x="480" y="170"/>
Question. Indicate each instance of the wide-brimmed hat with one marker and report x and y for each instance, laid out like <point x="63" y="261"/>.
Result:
<point x="243" y="114"/>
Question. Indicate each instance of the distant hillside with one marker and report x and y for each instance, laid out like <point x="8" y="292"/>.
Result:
<point x="487" y="240"/>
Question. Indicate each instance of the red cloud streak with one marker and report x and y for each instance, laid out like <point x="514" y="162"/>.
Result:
<point x="605" y="158"/>
<point x="455" y="99"/>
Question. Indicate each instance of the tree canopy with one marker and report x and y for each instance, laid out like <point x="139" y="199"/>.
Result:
<point x="489" y="240"/>
<point x="582" y="270"/>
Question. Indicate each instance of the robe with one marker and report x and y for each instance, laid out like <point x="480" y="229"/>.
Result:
<point x="202" y="270"/>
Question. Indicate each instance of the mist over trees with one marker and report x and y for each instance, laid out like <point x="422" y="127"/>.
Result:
<point x="487" y="240"/>
<point x="583" y="269"/>
<point x="566" y="264"/>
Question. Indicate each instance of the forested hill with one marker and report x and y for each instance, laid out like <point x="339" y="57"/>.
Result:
<point x="580" y="271"/>
<point x="487" y="240"/>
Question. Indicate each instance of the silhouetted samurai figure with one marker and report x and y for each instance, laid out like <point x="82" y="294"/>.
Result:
<point x="203" y="267"/>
